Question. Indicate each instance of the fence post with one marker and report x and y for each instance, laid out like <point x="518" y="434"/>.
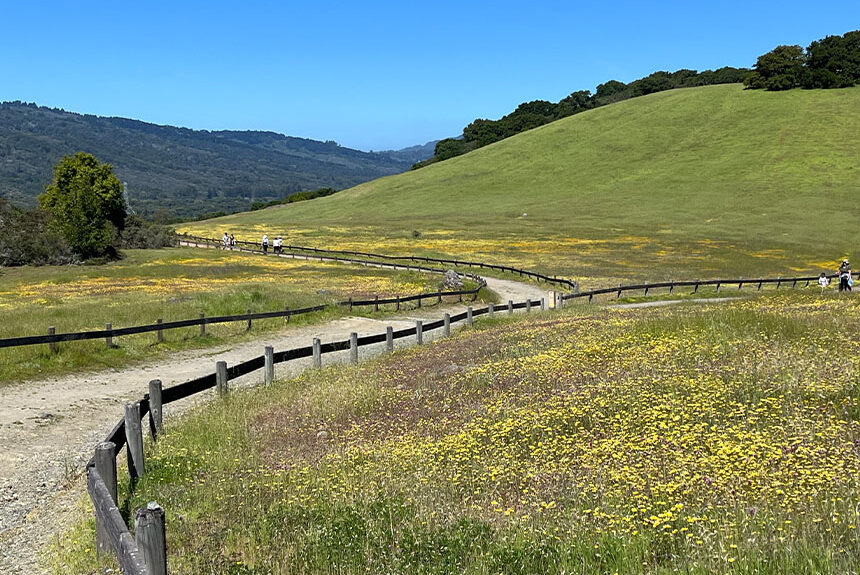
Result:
<point x="740" y="284"/>
<point x="134" y="440"/>
<point x="510" y="306"/>
<point x="287" y="314"/>
<point x="353" y="347"/>
<point x="221" y="377"/>
<point x="109" y="338"/>
<point x="646" y="289"/>
<point x="590" y="296"/>
<point x="376" y="303"/>
<point x="350" y="303"/>
<point x="671" y="287"/>
<point x="696" y="288"/>
<point x="446" y="325"/>
<point x="317" y="353"/>
<point x="249" y="320"/>
<point x="490" y="309"/>
<point x="106" y="466"/>
<point x="618" y="295"/>
<point x="778" y="281"/>
<point x="53" y="345"/>
<point x="150" y="538"/>
<point x="419" y="302"/>
<point x="794" y="284"/>
<point x="419" y="331"/>
<point x="269" y="361"/>
<point x="759" y="284"/>
<point x="528" y="305"/>
<point x="389" y="338"/>
<point x="202" y="324"/>
<point x="718" y="285"/>
<point x="398" y="303"/>
<point x="156" y="418"/>
<point x="469" y="319"/>
<point x="543" y="304"/>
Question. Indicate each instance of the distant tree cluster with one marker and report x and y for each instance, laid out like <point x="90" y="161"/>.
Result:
<point x="81" y="216"/>
<point x="833" y="62"/>
<point x="530" y="115"/>
<point x="297" y="197"/>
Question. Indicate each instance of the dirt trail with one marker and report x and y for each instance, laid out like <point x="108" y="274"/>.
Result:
<point x="48" y="428"/>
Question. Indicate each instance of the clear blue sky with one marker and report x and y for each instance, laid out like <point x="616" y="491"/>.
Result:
<point x="370" y="74"/>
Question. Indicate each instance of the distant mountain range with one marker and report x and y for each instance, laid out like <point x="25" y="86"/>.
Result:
<point x="179" y="172"/>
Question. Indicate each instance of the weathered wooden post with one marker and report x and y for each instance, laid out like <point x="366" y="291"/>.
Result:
<point x="490" y="309"/>
<point x="350" y="303"/>
<point x="778" y="281"/>
<point x="53" y="345"/>
<point x="618" y="295"/>
<point x="159" y="333"/>
<point x="419" y="302"/>
<point x="376" y="303"/>
<point x="202" y="324"/>
<point x="134" y="440"/>
<point x="646" y="289"/>
<point x="469" y="320"/>
<point x="446" y="325"/>
<point x="528" y="305"/>
<point x="389" y="338"/>
<point x="696" y="287"/>
<point x="317" y="353"/>
<point x="759" y="284"/>
<point x="155" y="407"/>
<point x="419" y="331"/>
<point x="150" y="538"/>
<point x="543" y="304"/>
<point x="398" y="303"/>
<point x="221" y="383"/>
<point x="510" y="307"/>
<point x="287" y="314"/>
<point x="269" y="362"/>
<point x="105" y="460"/>
<point x="353" y="347"/>
<point x="248" y="328"/>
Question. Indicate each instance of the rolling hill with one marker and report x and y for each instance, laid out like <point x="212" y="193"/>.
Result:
<point x="181" y="171"/>
<point x="693" y="181"/>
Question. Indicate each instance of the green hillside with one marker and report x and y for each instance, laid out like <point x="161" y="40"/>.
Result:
<point x="686" y="182"/>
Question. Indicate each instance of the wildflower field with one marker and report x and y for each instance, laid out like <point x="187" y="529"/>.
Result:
<point x="691" y="439"/>
<point x="171" y="284"/>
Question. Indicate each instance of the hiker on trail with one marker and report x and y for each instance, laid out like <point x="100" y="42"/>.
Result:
<point x="845" y="279"/>
<point x="278" y="244"/>
<point x="823" y="281"/>
<point x="225" y="240"/>
<point x="265" y="244"/>
<point x="232" y="241"/>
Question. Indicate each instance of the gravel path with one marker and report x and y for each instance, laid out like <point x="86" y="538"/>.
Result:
<point x="48" y="428"/>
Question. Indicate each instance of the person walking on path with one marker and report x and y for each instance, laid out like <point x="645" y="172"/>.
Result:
<point x="278" y="243"/>
<point x="823" y="281"/>
<point x="265" y="244"/>
<point x="845" y="279"/>
<point x="232" y="241"/>
<point x="225" y="241"/>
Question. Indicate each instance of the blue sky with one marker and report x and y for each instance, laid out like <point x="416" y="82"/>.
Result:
<point x="370" y="74"/>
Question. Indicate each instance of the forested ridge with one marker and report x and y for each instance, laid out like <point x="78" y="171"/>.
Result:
<point x="178" y="172"/>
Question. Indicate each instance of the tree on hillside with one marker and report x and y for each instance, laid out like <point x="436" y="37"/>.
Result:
<point x="87" y="205"/>
<point x="833" y="62"/>
<point x="779" y="69"/>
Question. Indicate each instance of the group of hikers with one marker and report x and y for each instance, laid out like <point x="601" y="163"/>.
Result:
<point x="228" y="241"/>
<point x="846" y="280"/>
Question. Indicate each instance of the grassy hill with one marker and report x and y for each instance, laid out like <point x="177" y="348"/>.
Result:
<point x="699" y="181"/>
<point x="183" y="172"/>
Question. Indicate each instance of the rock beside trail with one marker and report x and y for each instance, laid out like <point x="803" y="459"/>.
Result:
<point x="452" y="280"/>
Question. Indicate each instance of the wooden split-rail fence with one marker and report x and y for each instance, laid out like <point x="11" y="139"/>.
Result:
<point x="144" y="552"/>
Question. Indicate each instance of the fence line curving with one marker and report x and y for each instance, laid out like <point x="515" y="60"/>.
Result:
<point x="140" y="554"/>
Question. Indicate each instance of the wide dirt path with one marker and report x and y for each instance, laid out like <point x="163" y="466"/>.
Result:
<point x="48" y="428"/>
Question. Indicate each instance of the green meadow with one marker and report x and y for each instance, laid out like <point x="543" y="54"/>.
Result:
<point x="698" y="182"/>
